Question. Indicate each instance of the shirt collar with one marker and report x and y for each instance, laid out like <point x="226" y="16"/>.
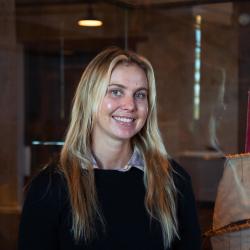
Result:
<point x="136" y="161"/>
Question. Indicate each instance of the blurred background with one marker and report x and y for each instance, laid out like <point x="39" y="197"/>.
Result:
<point x="200" y="51"/>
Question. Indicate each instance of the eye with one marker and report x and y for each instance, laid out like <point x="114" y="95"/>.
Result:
<point x="116" y="92"/>
<point x="140" y="95"/>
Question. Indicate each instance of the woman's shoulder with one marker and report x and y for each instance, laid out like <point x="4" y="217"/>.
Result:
<point x="43" y="210"/>
<point x="49" y="174"/>
<point x="180" y="176"/>
<point x="48" y="184"/>
<point x="189" y="229"/>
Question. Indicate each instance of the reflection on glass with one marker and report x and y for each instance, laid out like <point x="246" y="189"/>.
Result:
<point x="46" y="143"/>
<point x="197" y="68"/>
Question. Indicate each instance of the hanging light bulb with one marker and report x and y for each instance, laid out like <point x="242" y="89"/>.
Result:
<point x="90" y="20"/>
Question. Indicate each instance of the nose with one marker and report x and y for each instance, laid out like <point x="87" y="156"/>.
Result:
<point x="129" y="103"/>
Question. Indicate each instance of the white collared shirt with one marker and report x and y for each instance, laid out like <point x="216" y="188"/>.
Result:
<point x="136" y="161"/>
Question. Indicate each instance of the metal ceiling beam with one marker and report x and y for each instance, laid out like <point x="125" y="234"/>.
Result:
<point x="39" y="3"/>
<point x="181" y="4"/>
<point x="123" y="4"/>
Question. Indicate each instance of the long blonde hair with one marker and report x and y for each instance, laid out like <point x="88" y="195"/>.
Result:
<point x="75" y="159"/>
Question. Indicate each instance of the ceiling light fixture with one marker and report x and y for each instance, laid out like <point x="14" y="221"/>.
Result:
<point x="90" y="20"/>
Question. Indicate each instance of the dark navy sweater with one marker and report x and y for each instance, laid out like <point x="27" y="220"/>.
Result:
<point x="46" y="217"/>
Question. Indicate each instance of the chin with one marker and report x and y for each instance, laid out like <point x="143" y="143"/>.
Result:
<point x="125" y="136"/>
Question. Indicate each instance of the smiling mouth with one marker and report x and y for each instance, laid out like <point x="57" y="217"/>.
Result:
<point x="124" y="119"/>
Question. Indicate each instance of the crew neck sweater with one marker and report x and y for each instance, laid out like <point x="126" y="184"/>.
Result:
<point x="46" y="217"/>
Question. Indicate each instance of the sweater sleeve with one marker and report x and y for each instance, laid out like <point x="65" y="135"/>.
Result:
<point x="188" y="225"/>
<point x="41" y="213"/>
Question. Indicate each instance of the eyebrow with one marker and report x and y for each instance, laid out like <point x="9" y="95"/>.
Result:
<point x="124" y="87"/>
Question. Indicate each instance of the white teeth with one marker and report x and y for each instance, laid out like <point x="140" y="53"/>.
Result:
<point x="123" y="119"/>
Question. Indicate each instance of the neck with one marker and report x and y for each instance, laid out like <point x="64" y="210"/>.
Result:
<point x="111" y="154"/>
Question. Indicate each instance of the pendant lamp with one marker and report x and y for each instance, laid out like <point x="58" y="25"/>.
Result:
<point x="90" y="20"/>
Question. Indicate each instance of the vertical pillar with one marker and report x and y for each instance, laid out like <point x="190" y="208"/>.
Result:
<point x="11" y="125"/>
<point x="243" y="12"/>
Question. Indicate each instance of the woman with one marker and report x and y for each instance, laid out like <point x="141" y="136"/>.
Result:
<point x="115" y="186"/>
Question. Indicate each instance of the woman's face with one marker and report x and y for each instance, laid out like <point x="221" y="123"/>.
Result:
<point x="124" y="109"/>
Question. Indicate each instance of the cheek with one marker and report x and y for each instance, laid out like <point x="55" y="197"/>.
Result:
<point x="108" y="105"/>
<point x="146" y="113"/>
<point x="144" y="110"/>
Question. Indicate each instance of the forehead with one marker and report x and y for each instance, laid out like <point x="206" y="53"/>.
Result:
<point x="129" y="73"/>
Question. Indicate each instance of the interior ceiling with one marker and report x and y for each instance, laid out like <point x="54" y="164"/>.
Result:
<point x="124" y="3"/>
